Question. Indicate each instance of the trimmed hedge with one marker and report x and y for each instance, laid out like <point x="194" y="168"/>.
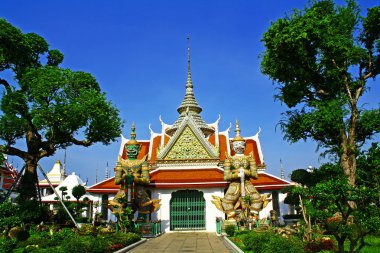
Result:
<point x="268" y="242"/>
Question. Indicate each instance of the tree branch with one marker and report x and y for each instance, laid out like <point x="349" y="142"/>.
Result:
<point x="14" y="151"/>
<point x="84" y="143"/>
<point x="6" y="85"/>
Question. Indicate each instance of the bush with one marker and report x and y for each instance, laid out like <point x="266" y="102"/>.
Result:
<point x="88" y="229"/>
<point x="58" y="237"/>
<point x="268" y="242"/>
<point x="41" y="240"/>
<point x="321" y="244"/>
<point x="77" y="244"/>
<point x="125" y="239"/>
<point x="230" y="230"/>
<point x="6" y="245"/>
<point x="22" y="235"/>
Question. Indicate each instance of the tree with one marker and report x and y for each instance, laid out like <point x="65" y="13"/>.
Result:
<point x="322" y="58"/>
<point x="327" y="199"/>
<point x="47" y="106"/>
<point x="78" y="191"/>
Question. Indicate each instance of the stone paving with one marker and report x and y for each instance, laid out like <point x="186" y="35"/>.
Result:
<point x="185" y="242"/>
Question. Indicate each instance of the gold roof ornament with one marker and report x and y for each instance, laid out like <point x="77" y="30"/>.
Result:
<point x="237" y="133"/>
<point x="133" y="141"/>
<point x="189" y="105"/>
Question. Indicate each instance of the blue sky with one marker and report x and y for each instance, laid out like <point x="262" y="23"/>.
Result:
<point x="137" y="52"/>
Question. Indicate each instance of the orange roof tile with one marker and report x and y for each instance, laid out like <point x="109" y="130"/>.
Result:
<point x="187" y="176"/>
<point x="156" y="145"/>
<point x="222" y="146"/>
<point x="211" y="139"/>
<point x="196" y="178"/>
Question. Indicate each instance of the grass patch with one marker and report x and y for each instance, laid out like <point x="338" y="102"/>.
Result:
<point x="372" y="244"/>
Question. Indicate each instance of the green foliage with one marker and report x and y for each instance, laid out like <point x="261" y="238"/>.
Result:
<point x="124" y="238"/>
<point x="321" y="59"/>
<point x="88" y="229"/>
<point x="66" y="240"/>
<point x="30" y="211"/>
<point x="22" y="235"/>
<point x="329" y="201"/>
<point x="230" y="230"/>
<point x="369" y="174"/>
<point x="125" y="220"/>
<point x="49" y="107"/>
<point x="7" y="216"/>
<point x="77" y="244"/>
<point x="58" y="237"/>
<point x="268" y="242"/>
<point x="78" y="191"/>
<point x="7" y="245"/>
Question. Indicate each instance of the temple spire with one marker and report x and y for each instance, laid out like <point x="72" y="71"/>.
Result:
<point x="189" y="105"/>
<point x="189" y="82"/>
<point x="107" y="173"/>
<point x="282" y="170"/>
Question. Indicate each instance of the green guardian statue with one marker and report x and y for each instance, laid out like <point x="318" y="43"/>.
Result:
<point x="133" y="176"/>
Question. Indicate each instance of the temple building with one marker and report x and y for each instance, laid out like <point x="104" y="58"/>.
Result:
<point x="186" y="169"/>
<point x="8" y="176"/>
<point x="56" y="175"/>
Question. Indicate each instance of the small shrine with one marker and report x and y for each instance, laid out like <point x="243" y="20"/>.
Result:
<point x="194" y="171"/>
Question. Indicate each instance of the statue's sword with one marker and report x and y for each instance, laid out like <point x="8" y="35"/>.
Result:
<point x="241" y="175"/>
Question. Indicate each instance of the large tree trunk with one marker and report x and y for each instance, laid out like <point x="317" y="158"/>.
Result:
<point x="349" y="147"/>
<point x="27" y="187"/>
<point x="348" y="164"/>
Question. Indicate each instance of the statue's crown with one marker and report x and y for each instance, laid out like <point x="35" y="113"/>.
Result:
<point x="133" y="141"/>
<point x="237" y="133"/>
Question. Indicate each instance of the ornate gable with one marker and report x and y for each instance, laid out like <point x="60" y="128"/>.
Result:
<point x="188" y="143"/>
<point x="187" y="146"/>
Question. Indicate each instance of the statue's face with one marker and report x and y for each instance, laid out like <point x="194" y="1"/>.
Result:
<point x="238" y="147"/>
<point x="132" y="151"/>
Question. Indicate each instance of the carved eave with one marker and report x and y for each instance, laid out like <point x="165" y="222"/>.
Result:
<point x="152" y="136"/>
<point x="257" y="140"/>
<point x="226" y="133"/>
<point x="188" y="122"/>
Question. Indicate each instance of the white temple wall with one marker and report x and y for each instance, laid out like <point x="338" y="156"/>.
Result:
<point x="211" y="212"/>
<point x="165" y="195"/>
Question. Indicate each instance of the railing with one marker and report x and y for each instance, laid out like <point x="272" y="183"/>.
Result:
<point x="149" y="229"/>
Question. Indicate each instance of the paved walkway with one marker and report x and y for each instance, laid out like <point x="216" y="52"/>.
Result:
<point x="185" y="242"/>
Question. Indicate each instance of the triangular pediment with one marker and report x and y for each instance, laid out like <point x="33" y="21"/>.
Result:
<point x="188" y="143"/>
<point x="187" y="146"/>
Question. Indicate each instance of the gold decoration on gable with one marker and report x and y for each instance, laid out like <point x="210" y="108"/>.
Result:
<point x="187" y="146"/>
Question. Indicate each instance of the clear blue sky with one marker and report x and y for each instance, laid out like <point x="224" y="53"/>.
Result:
<point x="137" y="52"/>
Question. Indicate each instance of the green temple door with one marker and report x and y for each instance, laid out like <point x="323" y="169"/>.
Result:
<point x="187" y="210"/>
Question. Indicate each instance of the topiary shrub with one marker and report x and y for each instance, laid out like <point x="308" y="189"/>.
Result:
<point x="22" y="235"/>
<point x="230" y="230"/>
